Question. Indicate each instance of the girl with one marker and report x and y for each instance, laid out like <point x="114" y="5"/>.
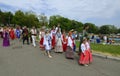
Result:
<point x="89" y="51"/>
<point x="84" y="54"/>
<point x="47" y="43"/>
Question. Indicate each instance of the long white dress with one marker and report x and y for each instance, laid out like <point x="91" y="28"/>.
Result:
<point x="58" y="47"/>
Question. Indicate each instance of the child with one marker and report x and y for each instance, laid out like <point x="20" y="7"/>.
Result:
<point x="89" y="51"/>
<point x="84" y="53"/>
<point x="47" y="43"/>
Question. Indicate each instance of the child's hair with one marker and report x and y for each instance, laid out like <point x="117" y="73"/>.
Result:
<point x="47" y="31"/>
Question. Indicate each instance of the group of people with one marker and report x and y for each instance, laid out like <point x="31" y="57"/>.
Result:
<point x="9" y="33"/>
<point x="54" y="39"/>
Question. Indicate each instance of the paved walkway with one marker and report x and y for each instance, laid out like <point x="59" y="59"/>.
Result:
<point x="19" y="60"/>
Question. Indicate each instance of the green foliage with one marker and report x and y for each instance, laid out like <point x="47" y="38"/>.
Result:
<point x="30" y="19"/>
<point x="104" y="29"/>
<point x="112" y="49"/>
<point x="108" y="29"/>
<point x="25" y="19"/>
<point x="65" y="23"/>
<point x="5" y="17"/>
<point x="118" y="31"/>
<point x="92" y="27"/>
<point x="19" y="18"/>
<point x="113" y="29"/>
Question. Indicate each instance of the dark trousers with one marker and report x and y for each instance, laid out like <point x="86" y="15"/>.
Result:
<point x="25" y="38"/>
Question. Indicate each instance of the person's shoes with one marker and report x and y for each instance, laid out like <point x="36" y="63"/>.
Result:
<point x="34" y="46"/>
<point x="50" y="56"/>
<point x="85" y="65"/>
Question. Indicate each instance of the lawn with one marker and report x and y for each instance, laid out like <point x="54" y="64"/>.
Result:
<point x="109" y="49"/>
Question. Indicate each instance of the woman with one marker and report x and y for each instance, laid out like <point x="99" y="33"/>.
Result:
<point x="18" y="32"/>
<point x="6" y="41"/>
<point x="69" y="52"/>
<point x="41" y="36"/>
<point x="53" y="33"/>
<point x="64" y="41"/>
<point x="12" y="33"/>
<point x="58" y="47"/>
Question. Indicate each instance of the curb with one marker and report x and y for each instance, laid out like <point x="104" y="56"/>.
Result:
<point x="106" y="56"/>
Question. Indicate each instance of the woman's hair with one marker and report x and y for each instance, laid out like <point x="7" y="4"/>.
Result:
<point x="70" y="33"/>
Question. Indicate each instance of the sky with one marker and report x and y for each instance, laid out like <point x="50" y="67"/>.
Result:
<point x="99" y="12"/>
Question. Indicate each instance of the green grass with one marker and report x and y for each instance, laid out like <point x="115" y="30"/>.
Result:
<point x="110" y="49"/>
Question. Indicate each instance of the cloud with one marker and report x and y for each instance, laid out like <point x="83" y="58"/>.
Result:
<point x="81" y="10"/>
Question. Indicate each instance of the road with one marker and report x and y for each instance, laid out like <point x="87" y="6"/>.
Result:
<point x="25" y="60"/>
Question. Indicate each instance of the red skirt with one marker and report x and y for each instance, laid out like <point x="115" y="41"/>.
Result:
<point x="64" y="46"/>
<point x="41" y="42"/>
<point x="90" y="56"/>
<point x="84" y="59"/>
<point x="53" y="42"/>
<point x="12" y="36"/>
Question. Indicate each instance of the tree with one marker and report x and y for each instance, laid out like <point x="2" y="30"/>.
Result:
<point x="104" y="29"/>
<point x="5" y="17"/>
<point x="113" y="29"/>
<point x="19" y="18"/>
<point x="118" y="31"/>
<point x="65" y="23"/>
<point x="1" y="17"/>
<point x="92" y="27"/>
<point x="31" y="20"/>
<point x="43" y="20"/>
<point x="28" y="19"/>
